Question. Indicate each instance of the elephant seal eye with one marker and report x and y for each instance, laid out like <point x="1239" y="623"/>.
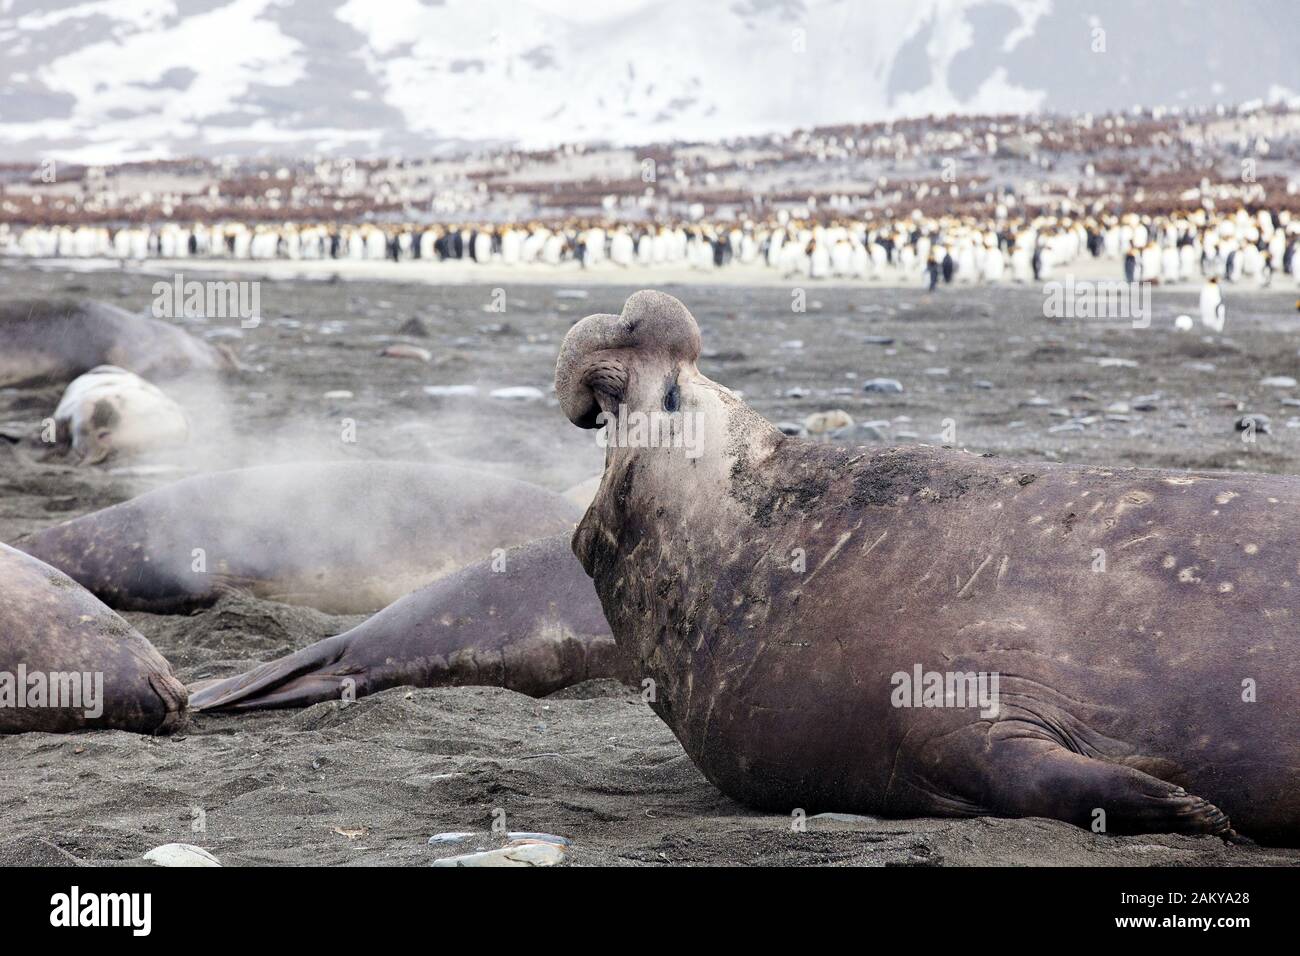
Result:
<point x="671" y="398"/>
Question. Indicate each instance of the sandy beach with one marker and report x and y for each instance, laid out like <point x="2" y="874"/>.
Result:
<point x="370" y="782"/>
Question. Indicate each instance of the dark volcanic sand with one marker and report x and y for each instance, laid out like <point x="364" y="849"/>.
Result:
<point x="370" y="782"/>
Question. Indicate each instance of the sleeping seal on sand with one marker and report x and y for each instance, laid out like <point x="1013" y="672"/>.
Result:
<point x="49" y="343"/>
<point x="347" y="537"/>
<point x="917" y="631"/>
<point x="110" y="411"/>
<point x="69" y="663"/>
<point x="528" y="621"/>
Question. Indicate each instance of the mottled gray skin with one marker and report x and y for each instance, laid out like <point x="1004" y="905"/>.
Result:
<point x="1121" y="689"/>
<point x="51" y="343"/>
<point x="348" y="537"/>
<point x="50" y="624"/>
<point x="534" y="626"/>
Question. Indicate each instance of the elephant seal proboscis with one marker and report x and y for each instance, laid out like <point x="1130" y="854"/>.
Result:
<point x="51" y="343"/>
<point x="68" y="663"/>
<point x="110" y="411"/>
<point x="347" y="537"/>
<point x="528" y="621"/>
<point x="1138" y="628"/>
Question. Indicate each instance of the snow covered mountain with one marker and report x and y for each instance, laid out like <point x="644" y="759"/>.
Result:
<point x="115" y="80"/>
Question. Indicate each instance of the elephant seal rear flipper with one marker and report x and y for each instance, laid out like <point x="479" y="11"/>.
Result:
<point x="528" y="621"/>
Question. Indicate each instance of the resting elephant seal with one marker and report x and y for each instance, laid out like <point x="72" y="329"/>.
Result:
<point x="69" y="663"/>
<point x="1137" y="628"/>
<point x="49" y="343"/>
<point x="528" y="621"/>
<point x="110" y="411"/>
<point x="347" y="537"/>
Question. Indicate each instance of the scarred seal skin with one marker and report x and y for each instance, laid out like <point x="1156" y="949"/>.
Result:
<point x="51" y="343"/>
<point x="528" y="621"/>
<point x="347" y="537"/>
<point x="56" y="635"/>
<point x="1141" y="624"/>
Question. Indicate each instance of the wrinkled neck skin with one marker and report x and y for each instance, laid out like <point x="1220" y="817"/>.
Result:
<point x="654" y="503"/>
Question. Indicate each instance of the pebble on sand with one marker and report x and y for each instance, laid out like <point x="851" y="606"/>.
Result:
<point x="406" y="352"/>
<point x="518" y="393"/>
<point x="1260" y="423"/>
<point x="831" y="422"/>
<point x="451" y="391"/>
<point x="882" y="385"/>
<point x="181" y="854"/>
<point x="520" y="853"/>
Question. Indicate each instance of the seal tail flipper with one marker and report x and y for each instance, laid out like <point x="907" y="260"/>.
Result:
<point x="292" y="681"/>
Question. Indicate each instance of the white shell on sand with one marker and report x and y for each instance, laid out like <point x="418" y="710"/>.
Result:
<point x="529" y="853"/>
<point x="181" y="854"/>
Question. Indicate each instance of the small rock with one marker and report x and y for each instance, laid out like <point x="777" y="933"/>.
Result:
<point x="450" y="391"/>
<point x="414" y="327"/>
<point x="882" y="385"/>
<point x="790" y="428"/>
<point x="797" y="392"/>
<point x="828" y="423"/>
<point x="338" y="393"/>
<point x="518" y="393"/>
<point x="877" y="340"/>
<point x="406" y="352"/>
<point x="181" y="854"/>
<point x="1278" y="381"/>
<point x="982" y="384"/>
<point x="792" y="344"/>
<point x="526" y="853"/>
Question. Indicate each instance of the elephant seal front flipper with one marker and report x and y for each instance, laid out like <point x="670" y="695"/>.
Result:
<point x="528" y="621"/>
<point x="1016" y="769"/>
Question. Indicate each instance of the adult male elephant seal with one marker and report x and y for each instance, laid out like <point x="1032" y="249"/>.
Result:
<point x="348" y="537"/>
<point x="50" y="343"/>
<point x="68" y="663"/>
<point x="1141" y="624"/>
<point x="528" y="621"/>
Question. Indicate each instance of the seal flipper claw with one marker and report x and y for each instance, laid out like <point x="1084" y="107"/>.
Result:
<point x="1034" y="776"/>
